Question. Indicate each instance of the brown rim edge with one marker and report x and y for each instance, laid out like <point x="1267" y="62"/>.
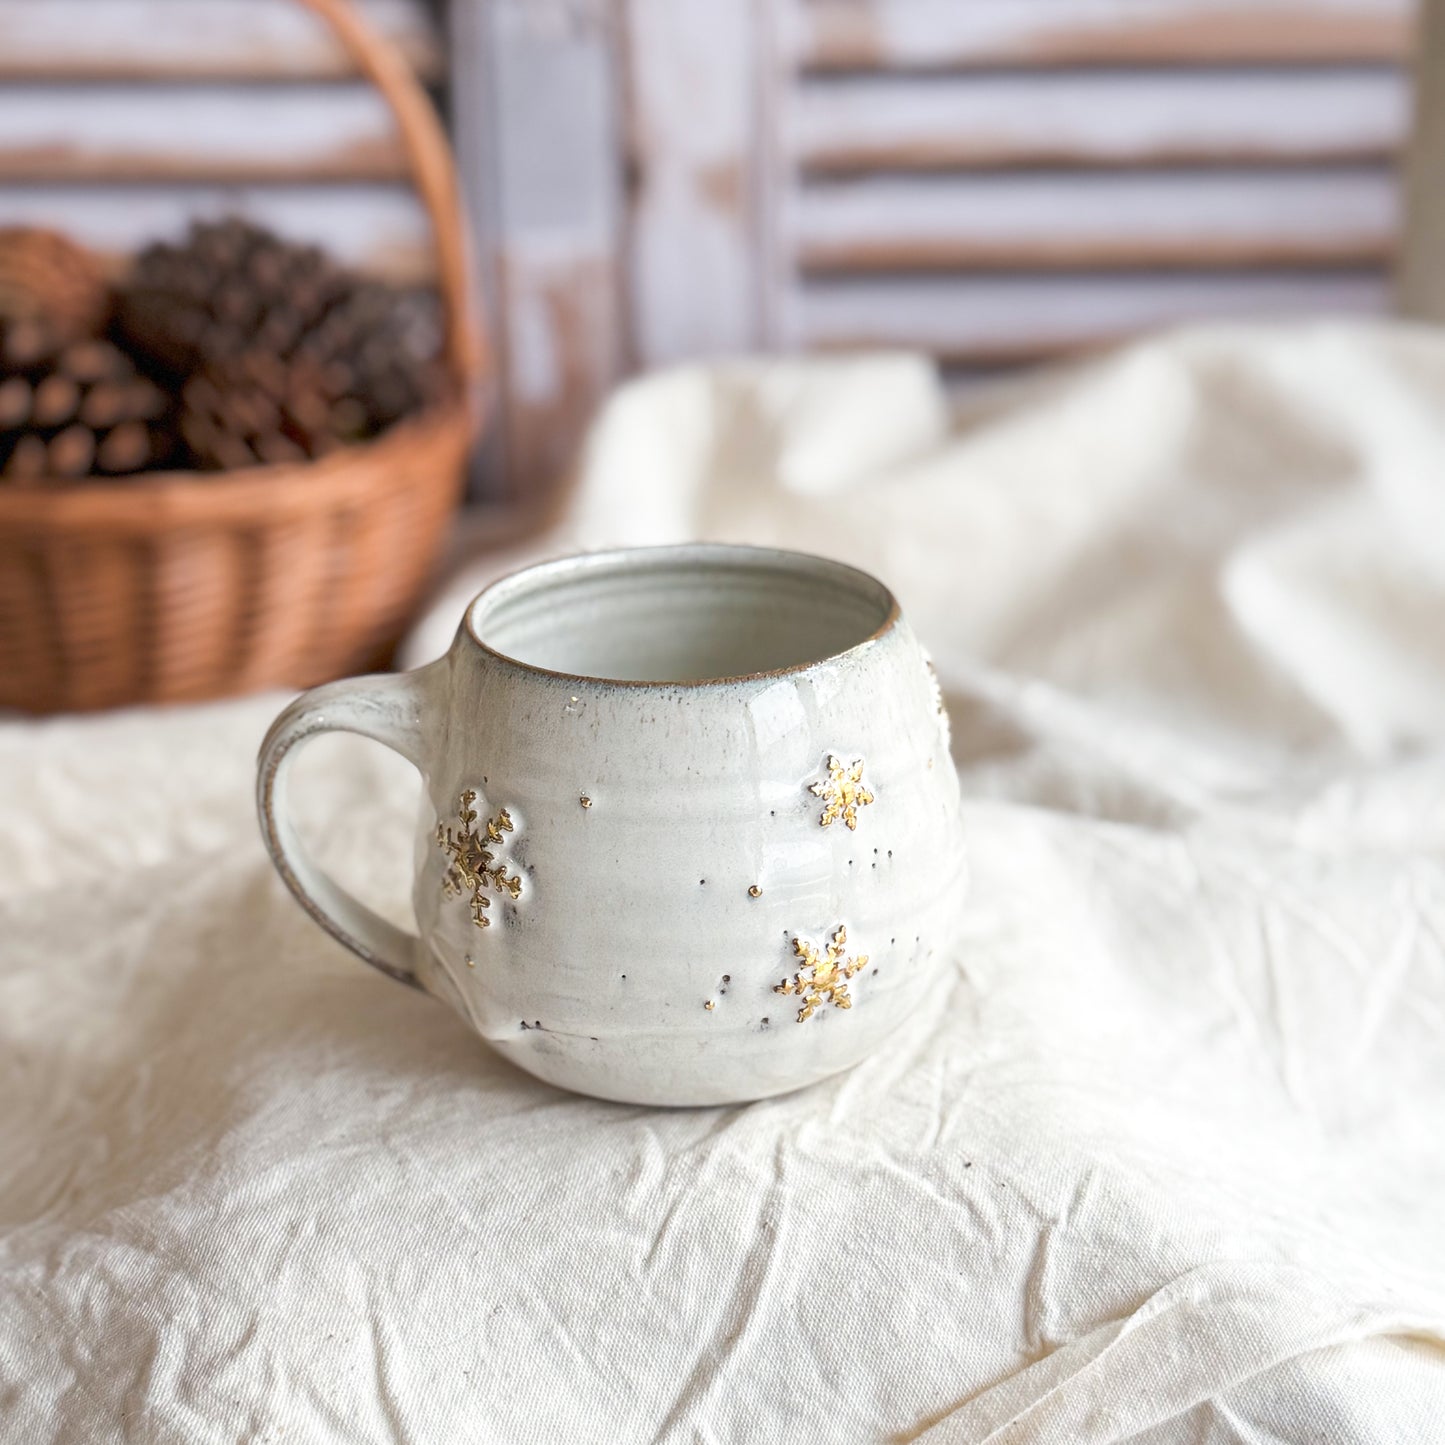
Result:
<point x="735" y="549"/>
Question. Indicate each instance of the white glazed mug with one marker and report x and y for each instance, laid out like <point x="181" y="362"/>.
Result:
<point x="690" y="831"/>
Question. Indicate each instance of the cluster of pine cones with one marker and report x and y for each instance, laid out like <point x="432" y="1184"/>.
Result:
<point x="236" y="348"/>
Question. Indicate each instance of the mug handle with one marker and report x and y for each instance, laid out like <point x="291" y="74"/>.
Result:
<point x="386" y="708"/>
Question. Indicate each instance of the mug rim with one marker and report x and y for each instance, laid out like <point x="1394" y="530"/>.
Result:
<point x="701" y="554"/>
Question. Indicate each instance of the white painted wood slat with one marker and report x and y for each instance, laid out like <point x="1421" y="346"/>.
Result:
<point x="699" y="253"/>
<point x="843" y="124"/>
<point x="194" y="39"/>
<point x="1002" y="320"/>
<point x="942" y="34"/>
<point x="378" y="228"/>
<point x="225" y="132"/>
<point x="538" y="119"/>
<point x="1123" y="219"/>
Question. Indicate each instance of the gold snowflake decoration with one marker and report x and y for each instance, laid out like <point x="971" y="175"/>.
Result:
<point x="474" y="867"/>
<point x="843" y="792"/>
<point x="827" y="973"/>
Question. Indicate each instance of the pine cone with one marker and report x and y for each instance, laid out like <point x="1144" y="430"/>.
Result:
<point x="281" y="354"/>
<point x="69" y="411"/>
<point x="44" y="275"/>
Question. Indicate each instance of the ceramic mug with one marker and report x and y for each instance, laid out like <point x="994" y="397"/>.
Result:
<point x="690" y="833"/>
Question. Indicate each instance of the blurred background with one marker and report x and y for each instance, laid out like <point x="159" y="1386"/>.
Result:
<point x="997" y="182"/>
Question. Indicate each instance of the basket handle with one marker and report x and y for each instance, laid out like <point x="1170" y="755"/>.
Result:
<point x="388" y="709"/>
<point x="433" y="173"/>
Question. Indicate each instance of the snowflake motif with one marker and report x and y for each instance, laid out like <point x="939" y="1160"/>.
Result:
<point x="843" y="792"/>
<point x="828" y="974"/>
<point x="474" y="867"/>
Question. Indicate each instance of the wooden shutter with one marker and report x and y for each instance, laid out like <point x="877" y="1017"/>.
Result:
<point x="1003" y="181"/>
<point x="537" y="92"/>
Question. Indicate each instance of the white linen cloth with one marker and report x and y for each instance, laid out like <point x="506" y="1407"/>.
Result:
<point x="1166" y="1164"/>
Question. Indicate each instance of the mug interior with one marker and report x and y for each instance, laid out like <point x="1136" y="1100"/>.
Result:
<point x="680" y="614"/>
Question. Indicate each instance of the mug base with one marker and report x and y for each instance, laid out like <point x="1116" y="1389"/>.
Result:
<point x="597" y="1074"/>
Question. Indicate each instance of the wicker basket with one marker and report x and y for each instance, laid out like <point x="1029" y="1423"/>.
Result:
<point x="176" y="586"/>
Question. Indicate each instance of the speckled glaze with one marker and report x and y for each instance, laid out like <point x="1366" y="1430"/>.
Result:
<point x="666" y="842"/>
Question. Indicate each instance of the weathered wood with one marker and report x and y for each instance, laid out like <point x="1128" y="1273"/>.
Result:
<point x="702" y="259"/>
<point x="564" y="354"/>
<point x="848" y="124"/>
<point x="947" y="34"/>
<point x="181" y="133"/>
<point x="1002" y="320"/>
<point x="754" y="217"/>
<point x="1123" y="253"/>
<point x="92" y="40"/>
<point x="1116" y="220"/>
<point x="535" y="88"/>
<point x="1421" y="292"/>
<point x="381" y="229"/>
